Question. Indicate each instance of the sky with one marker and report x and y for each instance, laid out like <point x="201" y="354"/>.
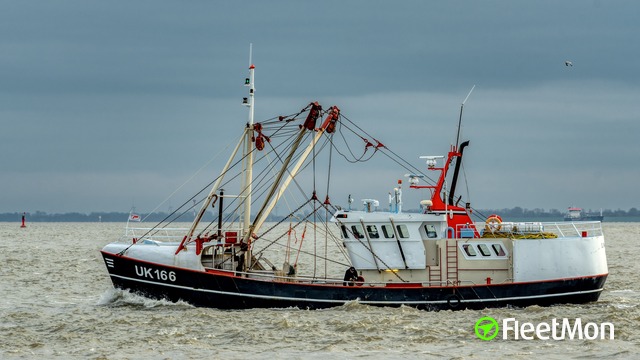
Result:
<point x="107" y="105"/>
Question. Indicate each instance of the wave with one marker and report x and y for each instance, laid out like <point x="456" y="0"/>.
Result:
<point x="124" y="298"/>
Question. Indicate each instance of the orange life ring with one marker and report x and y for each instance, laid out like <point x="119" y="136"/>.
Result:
<point x="360" y="281"/>
<point x="493" y="223"/>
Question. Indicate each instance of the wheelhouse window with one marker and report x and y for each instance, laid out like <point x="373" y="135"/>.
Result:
<point x="345" y="232"/>
<point x="403" y="231"/>
<point x="372" y="230"/>
<point x="387" y="231"/>
<point x="497" y="248"/>
<point x="357" y="231"/>
<point x="431" y="231"/>
<point x="469" y="250"/>
<point x="484" y="250"/>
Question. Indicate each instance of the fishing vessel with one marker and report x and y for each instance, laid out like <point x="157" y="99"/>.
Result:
<point x="325" y="255"/>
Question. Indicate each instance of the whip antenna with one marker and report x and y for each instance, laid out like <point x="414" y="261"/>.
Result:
<point x="460" y="118"/>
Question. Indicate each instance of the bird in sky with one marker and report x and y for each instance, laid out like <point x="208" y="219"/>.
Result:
<point x="568" y="63"/>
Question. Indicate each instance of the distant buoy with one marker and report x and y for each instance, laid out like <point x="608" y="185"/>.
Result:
<point x="23" y="216"/>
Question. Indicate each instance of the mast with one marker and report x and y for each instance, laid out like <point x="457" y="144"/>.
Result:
<point x="248" y="162"/>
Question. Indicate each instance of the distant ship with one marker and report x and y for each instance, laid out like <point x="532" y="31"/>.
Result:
<point x="576" y="214"/>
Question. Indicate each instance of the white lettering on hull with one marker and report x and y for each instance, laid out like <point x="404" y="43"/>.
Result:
<point x="155" y="274"/>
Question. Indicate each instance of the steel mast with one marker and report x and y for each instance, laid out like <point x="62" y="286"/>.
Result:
<point x="248" y="160"/>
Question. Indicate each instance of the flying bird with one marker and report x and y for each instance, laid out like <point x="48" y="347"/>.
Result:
<point x="568" y="63"/>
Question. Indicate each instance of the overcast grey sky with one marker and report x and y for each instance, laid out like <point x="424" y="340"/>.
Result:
<point x="109" y="104"/>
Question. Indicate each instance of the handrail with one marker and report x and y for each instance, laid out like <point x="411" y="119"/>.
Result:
<point x="164" y="234"/>
<point x="558" y="229"/>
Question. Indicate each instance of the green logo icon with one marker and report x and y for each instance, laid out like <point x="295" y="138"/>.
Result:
<point x="486" y="328"/>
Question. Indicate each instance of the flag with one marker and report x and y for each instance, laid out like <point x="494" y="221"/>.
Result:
<point x="134" y="217"/>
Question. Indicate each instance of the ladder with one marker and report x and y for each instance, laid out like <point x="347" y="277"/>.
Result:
<point x="435" y="275"/>
<point x="452" y="261"/>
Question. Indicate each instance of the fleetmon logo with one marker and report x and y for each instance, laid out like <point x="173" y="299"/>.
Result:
<point x="486" y="328"/>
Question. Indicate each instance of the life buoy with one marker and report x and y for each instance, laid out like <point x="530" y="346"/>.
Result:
<point x="360" y="280"/>
<point x="493" y="223"/>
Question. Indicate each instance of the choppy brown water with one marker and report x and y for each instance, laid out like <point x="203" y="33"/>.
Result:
<point x="58" y="302"/>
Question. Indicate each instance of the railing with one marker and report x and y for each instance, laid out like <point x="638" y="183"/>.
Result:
<point x="154" y="234"/>
<point x="168" y="235"/>
<point x="543" y="229"/>
<point x="575" y="229"/>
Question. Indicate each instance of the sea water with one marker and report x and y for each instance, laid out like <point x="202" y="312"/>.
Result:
<point x="57" y="301"/>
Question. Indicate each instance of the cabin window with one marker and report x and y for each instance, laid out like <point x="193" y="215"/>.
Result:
<point x="431" y="231"/>
<point x="387" y="230"/>
<point x="469" y="249"/>
<point x="403" y="231"/>
<point x="488" y="251"/>
<point x="345" y="232"/>
<point x="484" y="250"/>
<point x="497" y="248"/>
<point x="357" y="231"/>
<point x="373" y="232"/>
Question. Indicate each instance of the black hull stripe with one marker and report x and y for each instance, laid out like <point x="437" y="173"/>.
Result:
<point x="469" y="301"/>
